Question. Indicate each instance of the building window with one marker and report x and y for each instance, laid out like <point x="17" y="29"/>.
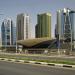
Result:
<point x="8" y="37"/>
<point x="8" y="43"/>
<point x="8" y="30"/>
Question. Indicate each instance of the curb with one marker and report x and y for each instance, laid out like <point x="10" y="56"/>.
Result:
<point x="40" y="63"/>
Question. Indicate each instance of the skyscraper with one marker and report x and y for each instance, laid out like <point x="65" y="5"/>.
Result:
<point x="65" y="23"/>
<point x="43" y="27"/>
<point x="7" y="33"/>
<point x="65" y="27"/>
<point x="23" y="26"/>
<point x="14" y="35"/>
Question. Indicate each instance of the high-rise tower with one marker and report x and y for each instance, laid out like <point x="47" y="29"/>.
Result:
<point x="23" y="26"/>
<point x="65" y="27"/>
<point x="7" y="30"/>
<point x="43" y="27"/>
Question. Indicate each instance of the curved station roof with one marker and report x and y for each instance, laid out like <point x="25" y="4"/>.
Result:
<point x="36" y="43"/>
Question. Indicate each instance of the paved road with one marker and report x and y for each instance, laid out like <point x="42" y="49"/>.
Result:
<point x="10" y="68"/>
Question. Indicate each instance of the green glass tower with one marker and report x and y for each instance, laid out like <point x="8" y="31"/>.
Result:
<point x="43" y="27"/>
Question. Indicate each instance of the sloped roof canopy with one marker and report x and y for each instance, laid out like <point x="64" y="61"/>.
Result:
<point x="34" y="42"/>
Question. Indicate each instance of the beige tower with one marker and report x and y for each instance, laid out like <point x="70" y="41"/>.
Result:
<point x="23" y="28"/>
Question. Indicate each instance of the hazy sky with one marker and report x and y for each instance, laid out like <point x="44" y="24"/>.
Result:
<point x="10" y="8"/>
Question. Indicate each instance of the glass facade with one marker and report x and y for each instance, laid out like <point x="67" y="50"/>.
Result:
<point x="65" y="26"/>
<point x="8" y="33"/>
<point x="14" y="35"/>
<point x="65" y="23"/>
